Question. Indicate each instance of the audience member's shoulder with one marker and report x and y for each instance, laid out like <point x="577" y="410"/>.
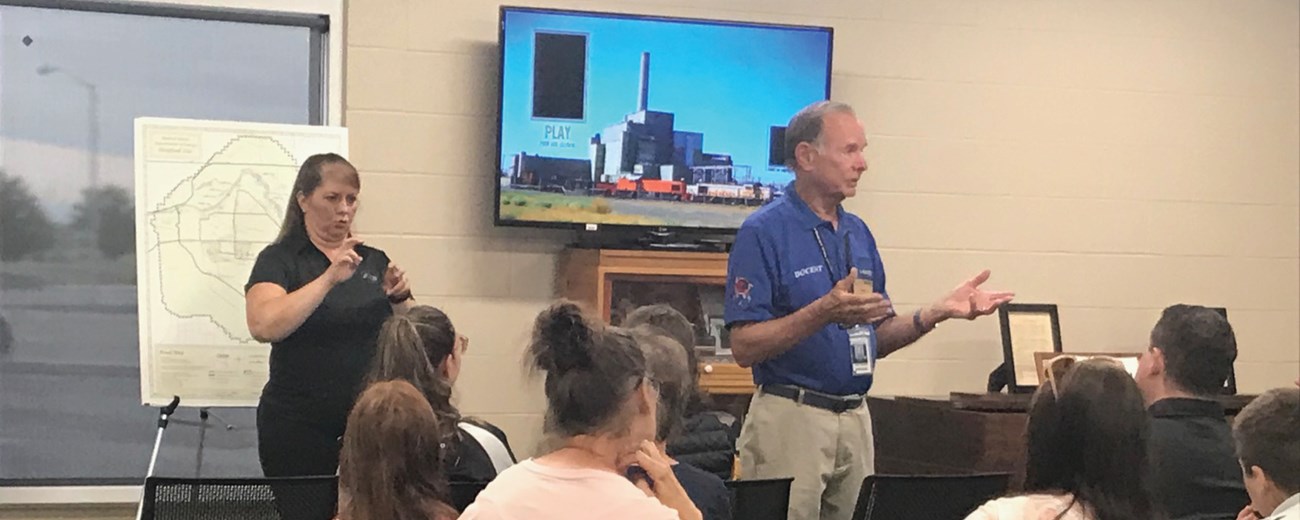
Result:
<point x="491" y="428"/>
<point x="696" y="476"/>
<point x="705" y="422"/>
<point x="1028" y="506"/>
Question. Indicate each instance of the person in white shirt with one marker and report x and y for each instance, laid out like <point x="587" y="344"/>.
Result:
<point x="1087" y="439"/>
<point x="600" y="416"/>
<point x="1267" y="434"/>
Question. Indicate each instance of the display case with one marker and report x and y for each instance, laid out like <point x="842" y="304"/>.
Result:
<point x="614" y="282"/>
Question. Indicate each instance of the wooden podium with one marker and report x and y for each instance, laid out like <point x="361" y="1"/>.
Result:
<point x="589" y="276"/>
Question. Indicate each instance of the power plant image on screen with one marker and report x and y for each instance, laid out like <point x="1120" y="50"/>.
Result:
<point x="642" y="170"/>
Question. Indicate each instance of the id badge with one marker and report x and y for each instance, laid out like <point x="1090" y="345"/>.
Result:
<point x="862" y="350"/>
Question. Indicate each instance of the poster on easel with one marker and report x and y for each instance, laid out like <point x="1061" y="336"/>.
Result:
<point x="209" y="196"/>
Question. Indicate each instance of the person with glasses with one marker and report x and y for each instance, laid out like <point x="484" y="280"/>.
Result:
<point x="422" y="347"/>
<point x="704" y="440"/>
<point x="1087" y="449"/>
<point x="666" y="362"/>
<point x="1195" y="472"/>
<point x="601" y="405"/>
<point x="807" y="308"/>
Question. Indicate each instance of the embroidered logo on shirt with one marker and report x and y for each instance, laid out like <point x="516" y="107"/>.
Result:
<point x="741" y="286"/>
<point x="370" y="277"/>
<point x="812" y="269"/>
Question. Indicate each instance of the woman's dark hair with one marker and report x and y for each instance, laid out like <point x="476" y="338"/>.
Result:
<point x="410" y="348"/>
<point x="1089" y="438"/>
<point x="591" y="370"/>
<point x="309" y="178"/>
<point x="390" y="464"/>
<point x="675" y="325"/>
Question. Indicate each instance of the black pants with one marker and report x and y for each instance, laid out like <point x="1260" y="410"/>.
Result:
<point x="296" y="441"/>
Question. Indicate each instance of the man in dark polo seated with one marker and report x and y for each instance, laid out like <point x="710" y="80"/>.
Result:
<point x="1195" y="471"/>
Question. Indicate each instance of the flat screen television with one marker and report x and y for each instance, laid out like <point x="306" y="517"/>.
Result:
<point x="625" y="121"/>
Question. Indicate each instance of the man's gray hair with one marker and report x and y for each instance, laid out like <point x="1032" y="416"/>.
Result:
<point x="806" y="126"/>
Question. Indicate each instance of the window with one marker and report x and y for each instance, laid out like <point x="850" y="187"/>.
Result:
<point x="72" y="80"/>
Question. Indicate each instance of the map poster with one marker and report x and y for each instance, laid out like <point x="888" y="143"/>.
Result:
<point x="209" y="196"/>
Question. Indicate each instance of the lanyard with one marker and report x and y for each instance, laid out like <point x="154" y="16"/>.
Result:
<point x="826" y="259"/>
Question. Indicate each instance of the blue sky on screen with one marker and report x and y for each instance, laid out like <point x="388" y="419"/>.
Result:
<point x="730" y="82"/>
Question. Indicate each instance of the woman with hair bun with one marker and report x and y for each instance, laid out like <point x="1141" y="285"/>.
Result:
<point x="600" y="416"/>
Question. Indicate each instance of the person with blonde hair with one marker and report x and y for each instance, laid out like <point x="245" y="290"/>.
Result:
<point x="390" y="465"/>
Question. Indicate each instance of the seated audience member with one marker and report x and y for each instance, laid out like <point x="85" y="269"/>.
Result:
<point x="1087" y="439"/>
<point x="600" y="416"/>
<point x="389" y="466"/>
<point x="1194" y="472"/>
<point x="665" y="361"/>
<point x="1267" y="433"/>
<point x="421" y="347"/>
<point x="705" y="442"/>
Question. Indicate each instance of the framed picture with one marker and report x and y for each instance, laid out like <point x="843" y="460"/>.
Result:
<point x="1027" y="328"/>
<point x="1042" y="360"/>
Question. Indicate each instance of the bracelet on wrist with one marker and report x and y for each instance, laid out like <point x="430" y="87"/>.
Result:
<point x="920" y="324"/>
<point x="399" y="298"/>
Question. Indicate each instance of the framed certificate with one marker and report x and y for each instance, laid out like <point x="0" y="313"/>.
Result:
<point x="1027" y="328"/>
<point x="1129" y="360"/>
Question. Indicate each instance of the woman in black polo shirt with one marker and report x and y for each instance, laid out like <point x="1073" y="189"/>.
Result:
<point x="319" y="297"/>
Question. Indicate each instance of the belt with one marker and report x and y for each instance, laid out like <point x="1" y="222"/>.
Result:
<point x="828" y="402"/>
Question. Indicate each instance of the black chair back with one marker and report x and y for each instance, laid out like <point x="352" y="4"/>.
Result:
<point x="762" y="499"/>
<point x="287" y="498"/>
<point x="940" y="497"/>
<point x="464" y="493"/>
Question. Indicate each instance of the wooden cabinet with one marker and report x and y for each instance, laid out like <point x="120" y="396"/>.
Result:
<point x="593" y="276"/>
<point x="963" y="433"/>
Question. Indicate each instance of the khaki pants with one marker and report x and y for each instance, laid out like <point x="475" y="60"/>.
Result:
<point x="828" y="454"/>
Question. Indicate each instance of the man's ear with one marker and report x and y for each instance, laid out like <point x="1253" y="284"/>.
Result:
<point x="804" y="154"/>
<point x="1157" y="361"/>
<point x="1253" y="472"/>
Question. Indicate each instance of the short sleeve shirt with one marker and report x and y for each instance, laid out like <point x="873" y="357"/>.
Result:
<point x="785" y="257"/>
<point x="319" y="367"/>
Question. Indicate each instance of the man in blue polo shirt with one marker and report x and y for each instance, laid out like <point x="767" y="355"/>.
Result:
<point x="808" y="310"/>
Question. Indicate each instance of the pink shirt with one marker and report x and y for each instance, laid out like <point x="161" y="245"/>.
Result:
<point x="1030" y="507"/>
<point x="531" y="491"/>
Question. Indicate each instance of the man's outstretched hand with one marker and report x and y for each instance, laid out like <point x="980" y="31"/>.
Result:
<point x="967" y="301"/>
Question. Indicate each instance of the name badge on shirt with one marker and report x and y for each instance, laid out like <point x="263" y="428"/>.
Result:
<point x="862" y="338"/>
<point x="862" y="349"/>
